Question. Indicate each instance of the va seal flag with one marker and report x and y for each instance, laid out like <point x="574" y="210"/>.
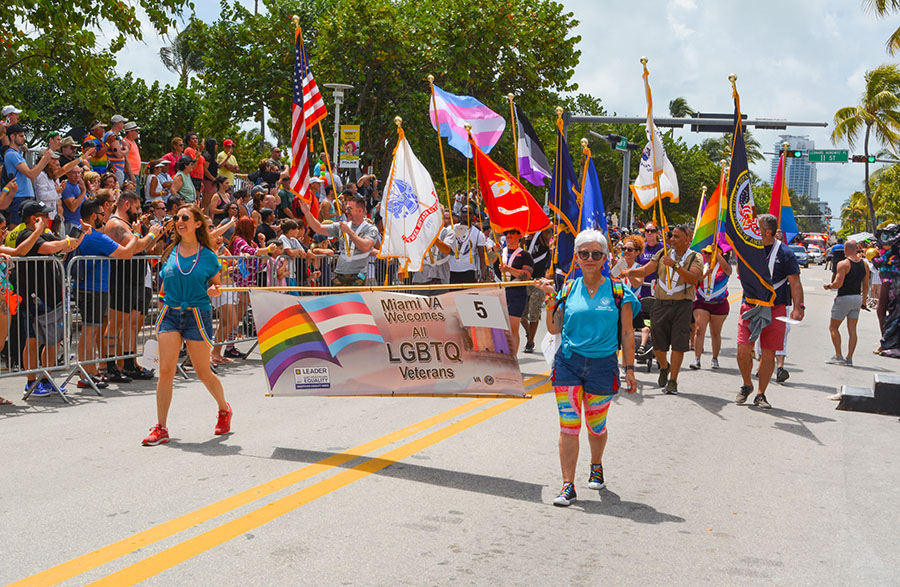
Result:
<point x="742" y="212"/>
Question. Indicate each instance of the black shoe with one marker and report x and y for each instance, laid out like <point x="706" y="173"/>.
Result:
<point x="782" y="375"/>
<point x="529" y="347"/>
<point x="743" y="394"/>
<point x="139" y="373"/>
<point x="760" y="401"/>
<point x="233" y="353"/>
<point x="116" y="376"/>
<point x="672" y="387"/>
<point x="663" y="376"/>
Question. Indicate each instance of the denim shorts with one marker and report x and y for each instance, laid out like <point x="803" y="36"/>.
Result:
<point x="598" y="376"/>
<point x="193" y="324"/>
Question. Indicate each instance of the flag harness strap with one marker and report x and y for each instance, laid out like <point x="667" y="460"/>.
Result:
<point x="357" y="256"/>
<point x="772" y="257"/>
<point x="677" y="278"/>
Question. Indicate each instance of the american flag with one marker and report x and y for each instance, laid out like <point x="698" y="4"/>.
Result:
<point x="308" y="109"/>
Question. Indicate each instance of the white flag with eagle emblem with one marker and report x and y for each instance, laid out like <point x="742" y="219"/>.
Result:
<point x="410" y="209"/>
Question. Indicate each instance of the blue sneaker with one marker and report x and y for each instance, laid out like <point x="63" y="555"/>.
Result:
<point x="40" y="390"/>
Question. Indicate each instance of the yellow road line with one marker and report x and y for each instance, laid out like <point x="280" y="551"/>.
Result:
<point x="101" y="556"/>
<point x="175" y="555"/>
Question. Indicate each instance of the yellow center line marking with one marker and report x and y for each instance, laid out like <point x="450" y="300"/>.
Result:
<point x="175" y="555"/>
<point x="106" y="554"/>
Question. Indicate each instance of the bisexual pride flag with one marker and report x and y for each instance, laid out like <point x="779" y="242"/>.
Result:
<point x="449" y="114"/>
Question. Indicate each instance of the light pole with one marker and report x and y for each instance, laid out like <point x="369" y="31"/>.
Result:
<point x="338" y="90"/>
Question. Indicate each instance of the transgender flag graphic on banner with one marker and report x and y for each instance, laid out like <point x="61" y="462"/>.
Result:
<point x="453" y="112"/>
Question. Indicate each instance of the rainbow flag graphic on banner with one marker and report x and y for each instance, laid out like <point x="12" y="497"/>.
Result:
<point x="317" y="328"/>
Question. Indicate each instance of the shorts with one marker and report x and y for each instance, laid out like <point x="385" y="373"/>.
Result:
<point x="534" y="304"/>
<point x="714" y="308"/>
<point x="93" y="306"/>
<point x="571" y="399"/>
<point x="772" y="336"/>
<point x="846" y="307"/>
<point x="463" y="276"/>
<point x="126" y="286"/>
<point x="596" y="375"/>
<point x="125" y="299"/>
<point x="226" y="298"/>
<point x="639" y="322"/>
<point x="516" y="299"/>
<point x="47" y="326"/>
<point x="347" y="280"/>
<point x="670" y="325"/>
<point x="192" y="323"/>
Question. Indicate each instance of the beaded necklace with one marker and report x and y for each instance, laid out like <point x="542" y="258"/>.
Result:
<point x="178" y="262"/>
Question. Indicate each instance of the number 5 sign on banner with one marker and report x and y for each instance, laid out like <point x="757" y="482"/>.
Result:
<point x="481" y="311"/>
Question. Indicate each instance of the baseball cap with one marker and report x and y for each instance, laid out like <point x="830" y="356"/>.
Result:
<point x="33" y="207"/>
<point x="7" y="110"/>
<point x="131" y="126"/>
<point x="258" y="189"/>
<point x="312" y="179"/>
<point x="117" y="118"/>
<point x="227" y="142"/>
<point x="162" y="163"/>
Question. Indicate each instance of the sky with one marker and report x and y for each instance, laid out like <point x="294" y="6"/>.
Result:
<point x="795" y="60"/>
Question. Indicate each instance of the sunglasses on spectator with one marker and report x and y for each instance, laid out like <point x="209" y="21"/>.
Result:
<point x="629" y="249"/>
<point x="595" y="255"/>
<point x="184" y="217"/>
<point x="652" y="230"/>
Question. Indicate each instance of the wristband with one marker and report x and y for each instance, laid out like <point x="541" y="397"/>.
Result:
<point x="6" y="190"/>
<point x="152" y="236"/>
<point x="68" y="241"/>
<point x="137" y="234"/>
<point x="629" y="367"/>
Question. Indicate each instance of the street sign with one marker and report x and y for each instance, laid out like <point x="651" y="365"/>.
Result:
<point x="622" y="144"/>
<point x="828" y="155"/>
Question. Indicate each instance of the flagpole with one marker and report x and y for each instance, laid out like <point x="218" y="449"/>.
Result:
<point x="512" y="118"/>
<point x="558" y="195"/>
<point x="715" y="242"/>
<point x="662" y="216"/>
<point x="487" y="265"/>
<point x="387" y="193"/>
<point x="783" y="187"/>
<point x="437" y="128"/>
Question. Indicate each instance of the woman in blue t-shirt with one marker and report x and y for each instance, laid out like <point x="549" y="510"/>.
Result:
<point x="588" y="317"/>
<point x="189" y="270"/>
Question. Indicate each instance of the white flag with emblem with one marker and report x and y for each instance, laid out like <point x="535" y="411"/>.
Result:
<point x="410" y="209"/>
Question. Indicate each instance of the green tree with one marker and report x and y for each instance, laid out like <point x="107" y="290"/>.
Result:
<point x="62" y="45"/>
<point x="878" y="111"/>
<point x="720" y="148"/>
<point x="883" y="8"/>
<point x="679" y="108"/>
<point x="181" y="57"/>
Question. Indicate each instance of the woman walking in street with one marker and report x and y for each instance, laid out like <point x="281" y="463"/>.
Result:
<point x="592" y="314"/>
<point x="711" y="305"/>
<point x="190" y="276"/>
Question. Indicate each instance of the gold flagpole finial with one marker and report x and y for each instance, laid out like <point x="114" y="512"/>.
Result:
<point x="430" y="78"/>
<point x="510" y="96"/>
<point x="468" y="127"/>
<point x="723" y="162"/>
<point x="732" y="78"/>
<point x="398" y="121"/>
<point x="296" y="20"/>
<point x="702" y="191"/>
<point x="559" y="110"/>
<point x="584" y="142"/>
<point x="644" y="61"/>
<point x="786" y="145"/>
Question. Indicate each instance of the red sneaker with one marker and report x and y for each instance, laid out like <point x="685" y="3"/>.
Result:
<point x="158" y="435"/>
<point x="223" y="425"/>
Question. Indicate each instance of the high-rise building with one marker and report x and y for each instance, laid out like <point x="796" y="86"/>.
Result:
<point x="801" y="174"/>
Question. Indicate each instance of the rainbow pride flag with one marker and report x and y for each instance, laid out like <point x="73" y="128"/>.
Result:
<point x="318" y="328"/>
<point x="780" y="207"/>
<point x="705" y="228"/>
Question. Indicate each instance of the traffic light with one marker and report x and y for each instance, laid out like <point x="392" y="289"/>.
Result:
<point x="864" y="159"/>
<point x="795" y="154"/>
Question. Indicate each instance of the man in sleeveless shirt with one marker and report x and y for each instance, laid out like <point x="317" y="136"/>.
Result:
<point x="851" y="280"/>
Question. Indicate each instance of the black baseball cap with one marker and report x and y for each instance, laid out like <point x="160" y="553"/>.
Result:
<point x="34" y="208"/>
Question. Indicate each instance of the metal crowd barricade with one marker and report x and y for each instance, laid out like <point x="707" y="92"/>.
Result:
<point x="114" y="305"/>
<point x="34" y="306"/>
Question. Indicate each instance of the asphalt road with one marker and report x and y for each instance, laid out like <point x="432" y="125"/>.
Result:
<point x="378" y="491"/>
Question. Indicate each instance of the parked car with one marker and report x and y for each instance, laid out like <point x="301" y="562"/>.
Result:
<point x="801" y="254"/>
<point x="815" y="255"/>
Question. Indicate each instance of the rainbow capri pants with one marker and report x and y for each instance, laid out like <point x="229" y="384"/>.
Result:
<point x="584" y="384"/>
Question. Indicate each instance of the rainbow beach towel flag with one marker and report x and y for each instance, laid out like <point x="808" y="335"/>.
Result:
<point x="710" y="220"/>
<point x="317" y="328"/>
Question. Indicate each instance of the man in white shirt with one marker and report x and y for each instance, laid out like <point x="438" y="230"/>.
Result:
<point x="467" y="247"/>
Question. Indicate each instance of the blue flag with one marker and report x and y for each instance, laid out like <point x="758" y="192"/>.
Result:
<point x="741" y="227"/>
<point x="564" y="202"/>
<point x="593" y="213"/>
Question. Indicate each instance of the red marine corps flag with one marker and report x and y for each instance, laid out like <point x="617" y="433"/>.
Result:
<point x="308" y="109"/>
<point x="508" y="203"/>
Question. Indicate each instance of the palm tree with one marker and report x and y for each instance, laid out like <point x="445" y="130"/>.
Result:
<point x="878" y="110"/>
<point x="854" y="209"/>
<point x="882" y="8"/>
<point x="720" y="148"/>
<point x="181" y="58"/>
<point x="679" y="107"/>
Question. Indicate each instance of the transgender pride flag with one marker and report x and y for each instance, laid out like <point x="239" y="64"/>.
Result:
<point x="450" y="113"/>
<point x="342" y="319"/>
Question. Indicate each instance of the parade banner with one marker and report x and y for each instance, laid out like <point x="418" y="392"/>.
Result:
<point x="386" y="343"/>
<point x="349" y="146"/>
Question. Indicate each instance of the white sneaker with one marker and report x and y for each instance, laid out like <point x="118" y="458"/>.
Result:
<point x="835" y="360"/>
<point x="695" y="364"/>
<point x="714" y="364"/>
